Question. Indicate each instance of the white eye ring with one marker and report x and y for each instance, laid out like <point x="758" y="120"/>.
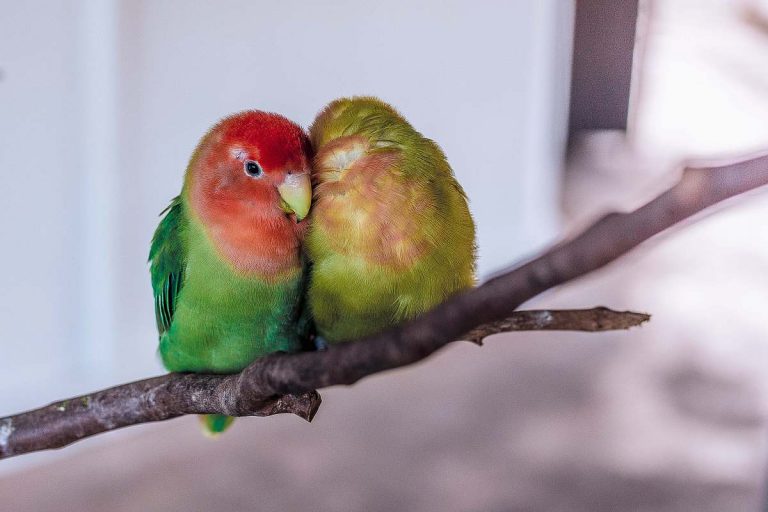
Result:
<point x="253" y="169"/>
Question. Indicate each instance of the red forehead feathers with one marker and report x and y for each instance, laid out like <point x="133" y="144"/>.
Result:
<point x="278" y="140"/>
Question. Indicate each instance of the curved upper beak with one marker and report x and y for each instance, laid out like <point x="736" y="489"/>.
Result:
<point x="296" y="194"/>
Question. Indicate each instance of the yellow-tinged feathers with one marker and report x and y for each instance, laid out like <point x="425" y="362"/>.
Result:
<point x="391" y="232"/>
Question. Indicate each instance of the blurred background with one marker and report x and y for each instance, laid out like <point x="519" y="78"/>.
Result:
<point x="551" y="112"/>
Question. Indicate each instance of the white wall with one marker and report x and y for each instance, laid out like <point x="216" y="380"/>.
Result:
<point x="487" y="80"/>
<point x="39" y="200"/>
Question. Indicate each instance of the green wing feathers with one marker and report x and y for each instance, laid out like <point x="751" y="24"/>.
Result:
<point x="167" y="261"/>
<point x="166" y="258"/>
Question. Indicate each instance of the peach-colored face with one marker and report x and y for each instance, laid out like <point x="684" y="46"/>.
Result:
<point x="237" y="182"/>
<point x="248" y="156"/>
<point x="364" y="208"/>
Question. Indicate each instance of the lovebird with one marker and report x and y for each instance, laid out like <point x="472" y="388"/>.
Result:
<point x="226" y="262"/>
<point x="391" y="235"/>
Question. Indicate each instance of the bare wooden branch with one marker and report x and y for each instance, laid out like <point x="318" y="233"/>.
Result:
<point x="156" y="399"/>
<point x="294" y="377"/>
<point x="162" y="398"/>
<point x="588" y="320"/>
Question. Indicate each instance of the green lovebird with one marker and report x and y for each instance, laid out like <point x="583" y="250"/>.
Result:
<point x="226" y="261"/>
<point x="391" y="235"/>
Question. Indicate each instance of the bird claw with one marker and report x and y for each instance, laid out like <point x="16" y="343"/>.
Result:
<point x="321" y="344"/>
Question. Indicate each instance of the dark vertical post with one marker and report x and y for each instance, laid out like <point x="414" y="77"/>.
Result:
<point x="604" y="43"/>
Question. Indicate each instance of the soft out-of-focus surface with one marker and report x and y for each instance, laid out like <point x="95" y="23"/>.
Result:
<point x="703" y="88"/>
<point x="667" y="418"/>
<point x="474" y="429"/>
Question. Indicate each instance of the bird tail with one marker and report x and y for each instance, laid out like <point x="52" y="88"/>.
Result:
<point x="215" y="424"/>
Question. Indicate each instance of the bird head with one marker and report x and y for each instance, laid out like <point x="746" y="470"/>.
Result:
<point x="255" y="164"/>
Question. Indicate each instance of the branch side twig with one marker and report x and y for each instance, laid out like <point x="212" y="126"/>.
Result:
<point x="587" y="320"/>
<point x="294" y="377"/>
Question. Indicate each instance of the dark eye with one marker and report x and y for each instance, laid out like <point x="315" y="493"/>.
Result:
<point x="253" y="169"/>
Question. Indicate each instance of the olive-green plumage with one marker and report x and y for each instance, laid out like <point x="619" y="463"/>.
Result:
<point x="391" y="233"/>
<point x="226" y="265"/>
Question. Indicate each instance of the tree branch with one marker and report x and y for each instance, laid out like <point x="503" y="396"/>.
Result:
<point x="162" y="398"/>
<point x="588" y="320"/>
<point x="286" y="383"/>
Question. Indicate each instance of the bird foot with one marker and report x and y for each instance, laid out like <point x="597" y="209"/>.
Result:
<point x="321" y="344"/>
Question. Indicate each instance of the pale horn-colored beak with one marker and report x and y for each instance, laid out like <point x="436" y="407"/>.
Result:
<point x="296" y="194"/>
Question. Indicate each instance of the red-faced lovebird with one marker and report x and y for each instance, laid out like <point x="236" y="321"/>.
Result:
<point x="226" y="261"/>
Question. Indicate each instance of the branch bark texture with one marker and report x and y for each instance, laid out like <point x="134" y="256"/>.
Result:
<point x="587" y="320"/>
<point x="286" y="383"/>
